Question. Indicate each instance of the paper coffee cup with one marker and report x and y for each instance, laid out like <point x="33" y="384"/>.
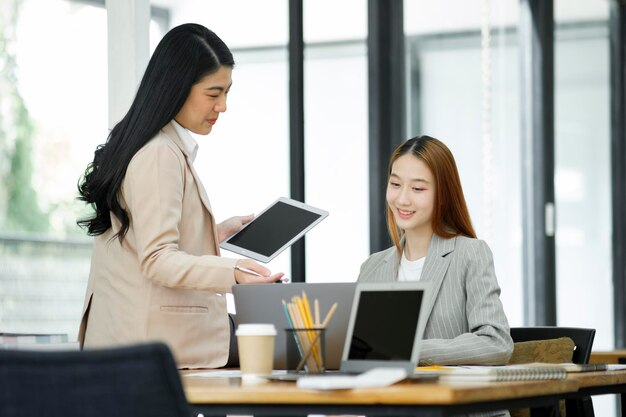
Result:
<point x="256" y="350"/>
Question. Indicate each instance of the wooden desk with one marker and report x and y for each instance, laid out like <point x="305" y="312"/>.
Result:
<point x="612" y="356"/>
<point x="215" y="396"/>
<point x="610" y="381"/>
<point x="599" y="383"/>
<point x="220" y="396"/>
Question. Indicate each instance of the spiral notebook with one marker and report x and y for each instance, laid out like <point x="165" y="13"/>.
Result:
<point x="500" y="373"/>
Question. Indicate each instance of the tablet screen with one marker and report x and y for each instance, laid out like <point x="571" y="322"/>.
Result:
<point x="274" y="229"/>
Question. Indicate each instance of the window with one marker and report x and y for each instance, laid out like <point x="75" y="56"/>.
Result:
<point x="583" y="176"/>
<point x="53" y="116"/>
<point x="463" y="89"/>
<point x="336" y="137"/>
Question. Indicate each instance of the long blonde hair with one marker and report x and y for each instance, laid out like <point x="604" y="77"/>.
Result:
<point x="450" y="215"/>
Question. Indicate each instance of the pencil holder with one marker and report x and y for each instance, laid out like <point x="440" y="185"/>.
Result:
<point x="306" y="350"/>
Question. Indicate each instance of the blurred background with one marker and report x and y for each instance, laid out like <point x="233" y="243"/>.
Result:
<point x="463" y="85"/>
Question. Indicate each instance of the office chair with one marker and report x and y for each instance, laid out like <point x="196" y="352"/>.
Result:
<point x="583" y="338"/>
<point x="132" y="381"/>
<point x="583" y="342"/>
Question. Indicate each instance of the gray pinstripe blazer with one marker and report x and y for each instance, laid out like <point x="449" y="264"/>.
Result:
<point x="466" y="323"/>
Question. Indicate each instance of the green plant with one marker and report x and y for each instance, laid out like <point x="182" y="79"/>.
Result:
<point x="19" y="207"/>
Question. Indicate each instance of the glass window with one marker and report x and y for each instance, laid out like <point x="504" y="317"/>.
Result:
<point x="463" y="89"/>
<point x="583" y="174"/>
<point x="336" y="160"/>
<point x="54" y="113"/>
<point x="240" y="23"/>
<point x="336" y="138"/>
<point x="346" y="22"/>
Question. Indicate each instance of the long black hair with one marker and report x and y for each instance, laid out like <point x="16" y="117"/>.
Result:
<point x="185" y="55"/>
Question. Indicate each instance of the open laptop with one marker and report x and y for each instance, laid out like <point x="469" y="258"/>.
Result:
<point x="262" y="303"/>
<point x="386" y="325"/>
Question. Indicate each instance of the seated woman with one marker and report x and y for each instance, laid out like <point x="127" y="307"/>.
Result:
<point x="434" y="241"/>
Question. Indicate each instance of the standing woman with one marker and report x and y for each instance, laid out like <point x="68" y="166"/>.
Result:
<point x="434" y="242"/>
<point x="156" y="271"/>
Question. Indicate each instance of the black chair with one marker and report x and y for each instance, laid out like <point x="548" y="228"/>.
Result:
<point x="133" y="381"/>
<point x="583" y="338"/>
<point x="583" y="342"/>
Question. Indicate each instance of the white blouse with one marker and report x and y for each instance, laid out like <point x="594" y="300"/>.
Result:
<point x="410" y="270"/>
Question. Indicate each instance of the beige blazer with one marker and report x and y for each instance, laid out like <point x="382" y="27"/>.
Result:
<point x="466" y="322"/>
<point x="167" y="280"/>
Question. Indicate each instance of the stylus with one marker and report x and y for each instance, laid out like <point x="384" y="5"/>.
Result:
<point x="247" y="271"/>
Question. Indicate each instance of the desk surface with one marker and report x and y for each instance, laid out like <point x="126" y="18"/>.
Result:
<point x="597" y="379"/>
<point x="223" y="390"/>
<point x="611" y="356"/>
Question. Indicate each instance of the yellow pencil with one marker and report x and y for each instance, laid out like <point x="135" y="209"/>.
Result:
<point x="304" y="340"/>
<point x="298" y="301"/>
<point x="307" y="310"/>
<point x="308" y="323"/>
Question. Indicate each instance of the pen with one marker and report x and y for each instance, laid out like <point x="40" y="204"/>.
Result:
<point x="247" y="271"/>
<point x="251" y="272"/>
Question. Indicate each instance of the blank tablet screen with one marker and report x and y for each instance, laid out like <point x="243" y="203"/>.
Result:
<point x="274" y="228"/>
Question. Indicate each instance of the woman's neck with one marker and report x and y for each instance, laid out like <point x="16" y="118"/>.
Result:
<point x="416" y="244"/>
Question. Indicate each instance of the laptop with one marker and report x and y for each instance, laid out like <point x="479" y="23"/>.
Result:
<point x="385" y="327"/>
<point x="262" y="303"/>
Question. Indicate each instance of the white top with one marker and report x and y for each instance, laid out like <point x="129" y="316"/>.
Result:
<point x="190" y="144"/>
<point x="410" y="270"/>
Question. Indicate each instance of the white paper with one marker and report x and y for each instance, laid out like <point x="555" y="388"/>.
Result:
<point x="377" y="377"/>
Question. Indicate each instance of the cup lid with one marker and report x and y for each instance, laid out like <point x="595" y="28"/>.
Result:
<point x="256" y="329"/>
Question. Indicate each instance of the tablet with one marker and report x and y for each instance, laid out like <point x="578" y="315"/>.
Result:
<point x="274" y="229"/>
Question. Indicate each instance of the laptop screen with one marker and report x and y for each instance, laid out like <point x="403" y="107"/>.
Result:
<point x="386" y="323"/>
<point x="385" y="326"/>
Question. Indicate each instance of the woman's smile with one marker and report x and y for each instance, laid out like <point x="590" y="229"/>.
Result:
<point x="405" y="214"/>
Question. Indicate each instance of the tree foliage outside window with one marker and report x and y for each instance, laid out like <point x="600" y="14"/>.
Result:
<point x="19" y="207"/>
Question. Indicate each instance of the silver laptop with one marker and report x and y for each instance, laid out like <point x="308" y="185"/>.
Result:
<point x="262" y="303"/>
<point x="386" y="325"/>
